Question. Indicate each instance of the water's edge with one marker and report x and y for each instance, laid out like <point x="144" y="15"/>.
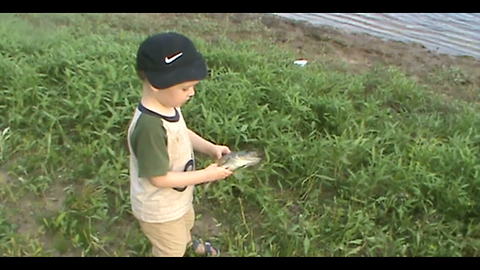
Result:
<point x="454" y="34"/>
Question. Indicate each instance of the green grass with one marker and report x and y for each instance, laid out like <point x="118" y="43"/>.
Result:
<point x="367" y="164"/>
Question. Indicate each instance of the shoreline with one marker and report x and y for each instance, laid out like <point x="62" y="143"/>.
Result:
<point x="449" y="44"/>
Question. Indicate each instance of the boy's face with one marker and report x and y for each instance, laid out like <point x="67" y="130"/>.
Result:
<point x="176" y="95"/>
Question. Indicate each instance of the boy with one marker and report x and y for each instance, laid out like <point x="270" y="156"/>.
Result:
<point x="162" y="166"/>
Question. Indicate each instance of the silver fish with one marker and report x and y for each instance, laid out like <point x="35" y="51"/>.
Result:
<point x="241" y="159"/>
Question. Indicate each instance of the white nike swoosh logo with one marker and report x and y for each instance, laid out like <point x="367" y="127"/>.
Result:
<point x="172" y="58"/>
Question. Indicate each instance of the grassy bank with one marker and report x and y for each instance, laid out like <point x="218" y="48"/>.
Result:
<point x="364" y="164"/>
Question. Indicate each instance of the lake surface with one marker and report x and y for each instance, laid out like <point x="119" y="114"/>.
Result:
<point x="449" y="33"/>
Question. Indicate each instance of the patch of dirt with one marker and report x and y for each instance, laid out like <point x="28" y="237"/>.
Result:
<point x="53" y="199"/>
<point x="206" y="226"/>
<point x="26" y="210"/>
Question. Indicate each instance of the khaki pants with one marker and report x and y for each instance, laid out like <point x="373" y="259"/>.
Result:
<point x="170" y="239"/>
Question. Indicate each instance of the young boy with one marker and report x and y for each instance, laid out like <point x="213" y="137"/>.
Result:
<point x="162" y="164"/>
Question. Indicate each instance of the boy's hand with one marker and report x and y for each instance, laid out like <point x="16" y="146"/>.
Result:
<point x="217" y="173"/>
<point x="217" y="151"/>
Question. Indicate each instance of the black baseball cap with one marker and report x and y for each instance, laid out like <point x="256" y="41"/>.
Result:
<point x="170" y="58"/>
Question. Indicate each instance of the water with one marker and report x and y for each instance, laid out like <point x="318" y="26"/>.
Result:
<point x="449" y="33"/>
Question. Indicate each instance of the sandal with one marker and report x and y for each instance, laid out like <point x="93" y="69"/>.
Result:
<point x="208" y="249"/>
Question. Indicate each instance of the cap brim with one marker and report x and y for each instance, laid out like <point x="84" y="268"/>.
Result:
<point x="194" y="72"/>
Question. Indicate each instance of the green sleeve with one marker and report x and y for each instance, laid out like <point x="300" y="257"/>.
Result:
<point x="150" y="147"/>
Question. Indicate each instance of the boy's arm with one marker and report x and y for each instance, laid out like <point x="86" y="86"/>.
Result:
<point x="203" y="146"/>
<point x="178" y="179"/>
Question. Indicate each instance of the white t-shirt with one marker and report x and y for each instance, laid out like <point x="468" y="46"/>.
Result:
<point x="158" y="144"/>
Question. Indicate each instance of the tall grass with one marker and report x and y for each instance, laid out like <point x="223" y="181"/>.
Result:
<point x="355" y="165"/>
